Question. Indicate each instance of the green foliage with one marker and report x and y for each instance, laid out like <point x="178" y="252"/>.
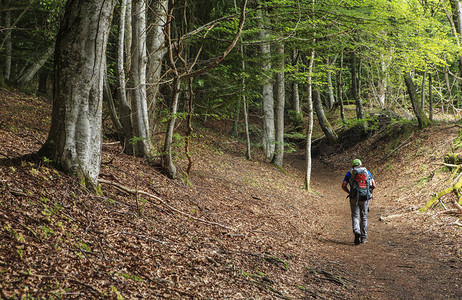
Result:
<point x="135" y="140"/>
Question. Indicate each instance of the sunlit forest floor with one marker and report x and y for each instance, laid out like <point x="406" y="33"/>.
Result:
<point x="237" y="229"/>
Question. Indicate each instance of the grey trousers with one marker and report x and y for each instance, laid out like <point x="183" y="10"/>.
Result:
<point x="359" y="216"/>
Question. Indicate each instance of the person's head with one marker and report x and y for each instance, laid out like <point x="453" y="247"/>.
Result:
<point x="356" y="163"/>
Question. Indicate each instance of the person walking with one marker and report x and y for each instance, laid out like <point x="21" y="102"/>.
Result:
<point x="359" y="184"/>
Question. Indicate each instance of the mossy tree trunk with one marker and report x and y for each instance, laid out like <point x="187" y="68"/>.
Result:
<point x="331" y="136"/>
<point x="422" y="118"/>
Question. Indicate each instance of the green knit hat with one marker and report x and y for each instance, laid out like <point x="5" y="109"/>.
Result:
<point x="356" y="163"/>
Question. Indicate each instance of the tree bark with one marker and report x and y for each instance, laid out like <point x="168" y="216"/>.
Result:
<point x="248" y="154"/>
<point x="295" y="92"/>
<point x="330" y="87"/>
<point x="309" y="131"/>
<point x="340" y="88"/>
<point x="331" y="136"/>
<point x="354" y="87"/>
<point x="422" y="95"/>
<point x="107" y="97"/>
<point x="156" y="51"/>
<point x="382" y="82"/>
<point x="8" y="46"/>
<point x="141" y="130"/>
<point x="281" y="99"/>
<point x="167" y="159"/>
<point x="268" y="98"/>
<point x="457" y="24"/>
<point x="128" y="34"/>
<point x="29" y="73"/>
<point x="123" y="105"/>
<point x="75" y="138"/>
<point x="419" y="113"/>
<point x="430" y="96"/>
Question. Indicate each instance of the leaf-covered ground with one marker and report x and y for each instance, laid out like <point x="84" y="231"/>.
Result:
<point x="239" y="229"/>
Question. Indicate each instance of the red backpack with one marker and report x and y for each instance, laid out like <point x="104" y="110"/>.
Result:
<point x="360" y="183"/>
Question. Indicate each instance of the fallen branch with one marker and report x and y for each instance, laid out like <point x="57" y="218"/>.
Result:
<point x="457" y="206"/>
<point x="136" y="192"/>
<point x="456" y="223"/>
<point x="437" y="196"/>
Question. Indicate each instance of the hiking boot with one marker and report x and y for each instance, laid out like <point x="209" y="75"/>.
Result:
<point x="357" y="238"/>
<point x="363" y="240"/>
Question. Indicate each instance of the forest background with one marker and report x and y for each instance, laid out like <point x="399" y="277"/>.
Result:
<point x="163" y="61"/>
<point x="148" y="74"/>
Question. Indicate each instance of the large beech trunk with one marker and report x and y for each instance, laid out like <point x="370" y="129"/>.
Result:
<point x="74" y="140"/>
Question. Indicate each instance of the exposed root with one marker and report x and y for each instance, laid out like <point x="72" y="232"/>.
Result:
<point x="136" y="192"/>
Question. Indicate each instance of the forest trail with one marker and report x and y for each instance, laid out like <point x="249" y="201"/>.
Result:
<point x="284" y="242"/>
<point x="397" y="262"/>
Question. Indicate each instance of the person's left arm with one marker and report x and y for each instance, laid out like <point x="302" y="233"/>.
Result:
<point x="372" y="180"/>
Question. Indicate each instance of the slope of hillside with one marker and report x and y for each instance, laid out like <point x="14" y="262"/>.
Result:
<point x="240" y="230"/>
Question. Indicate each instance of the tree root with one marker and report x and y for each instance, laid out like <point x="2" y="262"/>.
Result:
<point x="136" y="192"/>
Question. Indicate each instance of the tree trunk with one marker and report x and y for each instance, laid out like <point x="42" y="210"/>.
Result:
<point x="128" y="34"/>
<point x="457" y="23"/>
<point x="309" y="131"/>
<point x="448" y="86"/>
<point x="42" y="83"/>
<point x="141" y="129"/>
<point x="268" y="100"/>
<point x="419" y="113"/>
<point x="248" y="154"/>
<point x="422" y="95"/>
<point x="167" y="159"/>
<point x="16" y="22"/>
<point x="330" y="87"/>
<point x="281" y="99"/>
<point x="331" y="136"/>
<point x="107" y="98"/>
<point x="74" y="140"/>
<point x="157" y="51"/>
<point x="244" y="103"/>
<point x="237" y="117"/>
<point x="382" y="83"/>
<point x="340" y="89"/>
<point x="295" y="92"/>
<point x="354" y="87"/>
<point x="8" y="46"/>
<point x="29" y="73"/>
<point x="430" y="96"/>
<point x="124" y="107"/>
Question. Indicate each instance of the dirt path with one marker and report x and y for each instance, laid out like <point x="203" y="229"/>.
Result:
<point x="398" y="262"/>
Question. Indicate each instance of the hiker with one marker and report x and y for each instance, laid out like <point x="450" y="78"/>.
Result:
<point x="361" y="184"/>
